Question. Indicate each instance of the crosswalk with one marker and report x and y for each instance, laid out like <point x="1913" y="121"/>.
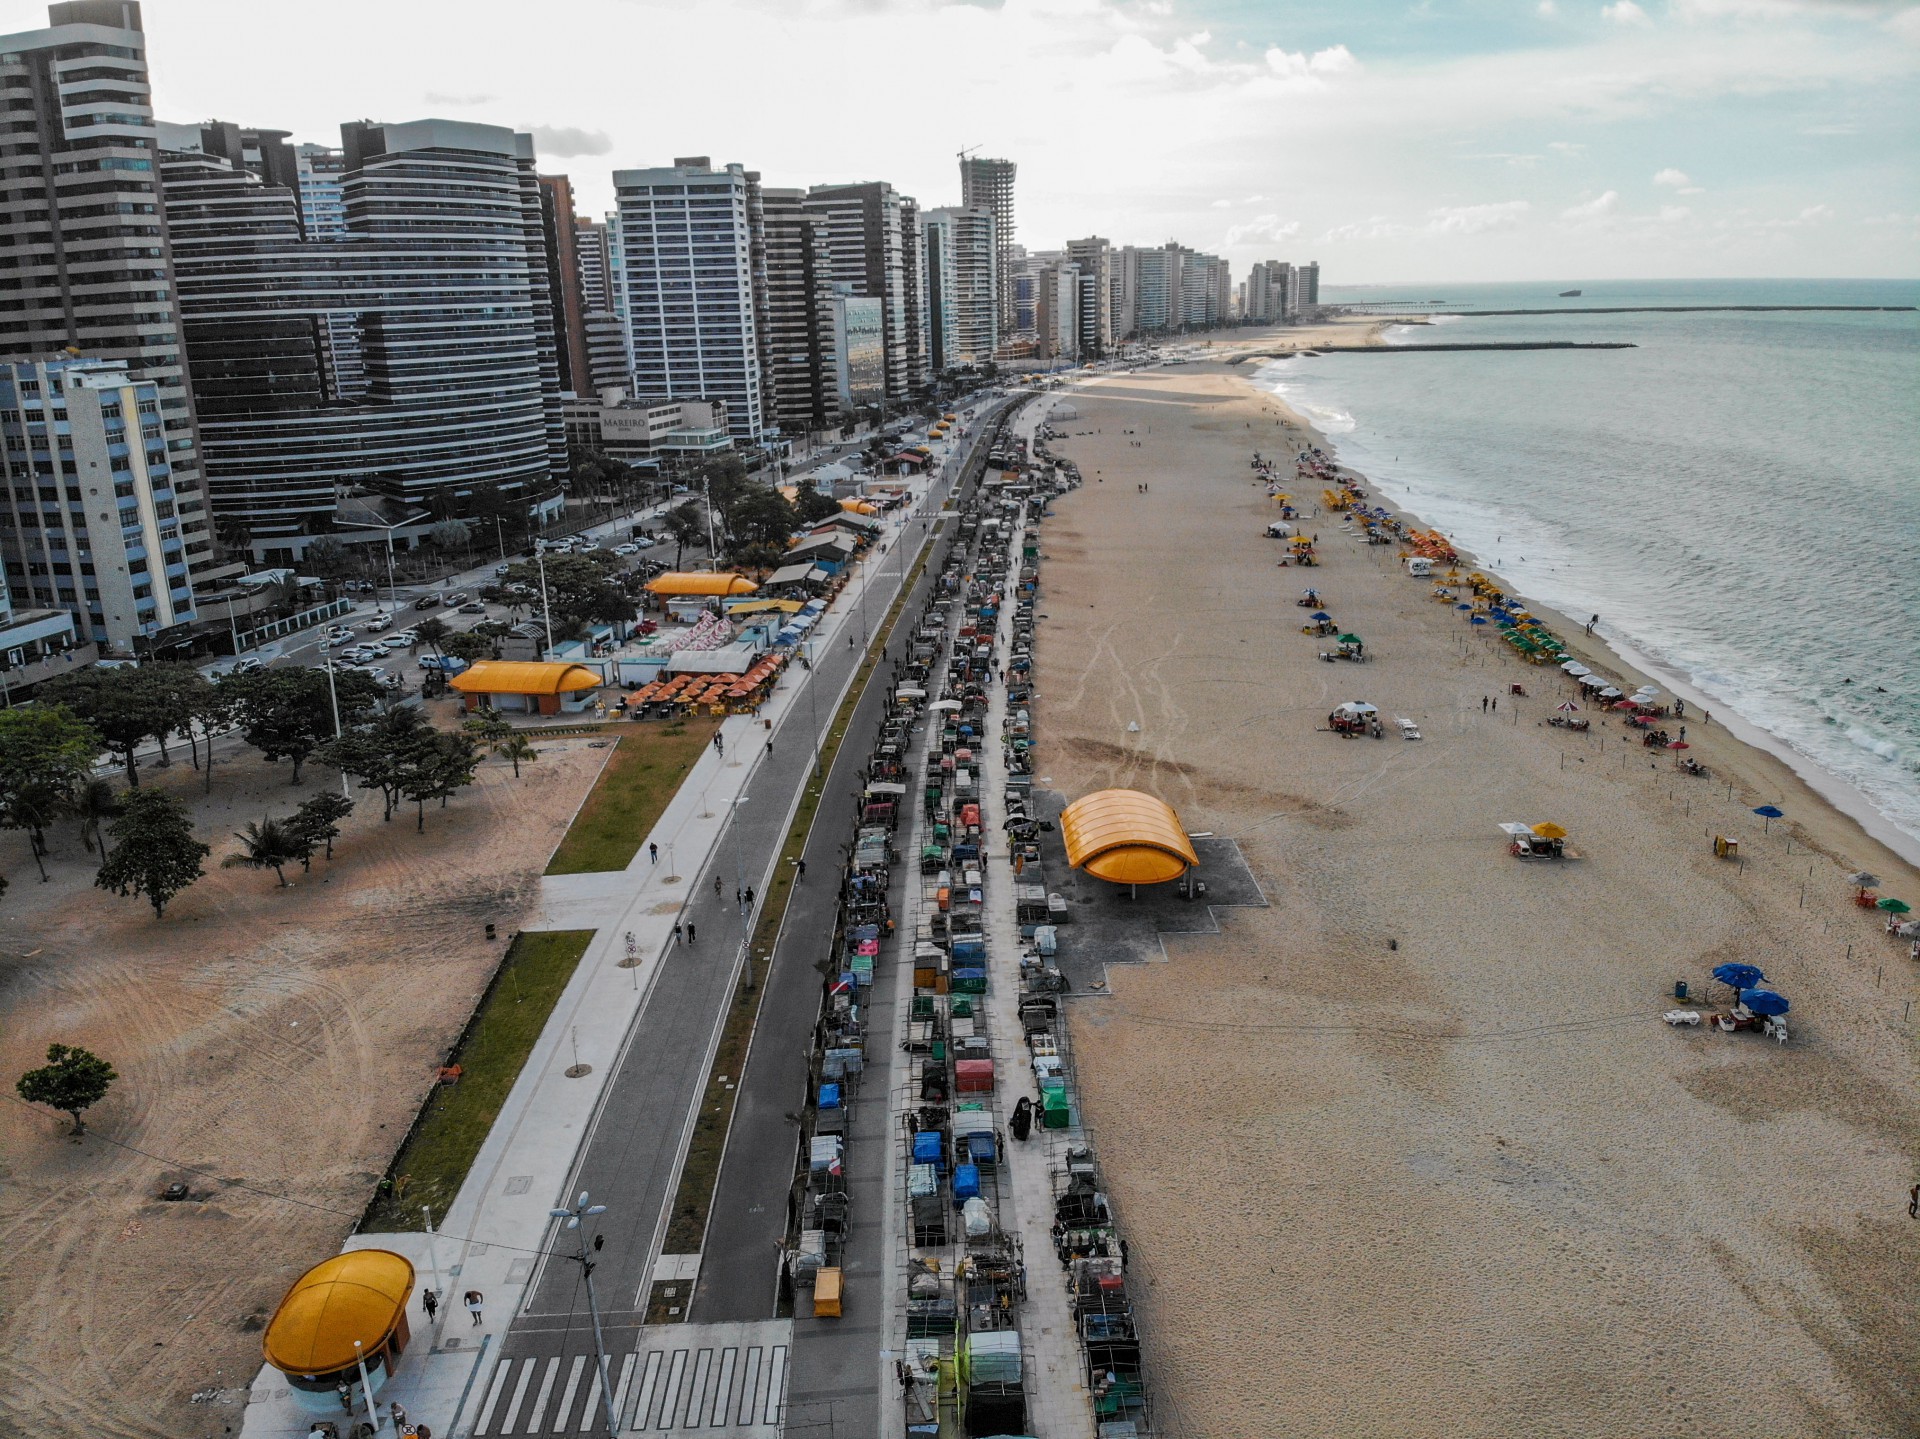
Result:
<point x="720" y="1381"/>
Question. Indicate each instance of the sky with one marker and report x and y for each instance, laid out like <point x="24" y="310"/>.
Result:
<point x="1440" y="140"/>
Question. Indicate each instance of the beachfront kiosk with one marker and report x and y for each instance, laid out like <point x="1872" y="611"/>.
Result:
<point x="1126" y="837"/>
<point x="342" y="1318"/>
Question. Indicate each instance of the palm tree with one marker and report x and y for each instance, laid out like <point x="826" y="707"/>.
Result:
<point x="271" y="844"/>
<point x="517" y="747"/>
<point x="94" y="803"/>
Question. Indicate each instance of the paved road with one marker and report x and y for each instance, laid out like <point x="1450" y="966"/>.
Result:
<point x="629" y="1157"/>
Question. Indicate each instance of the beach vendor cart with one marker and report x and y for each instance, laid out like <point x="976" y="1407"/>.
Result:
<point x="1355" y="717"/>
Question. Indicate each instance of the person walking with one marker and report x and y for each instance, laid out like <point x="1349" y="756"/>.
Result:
<point x="653" y="853"/>
<point x="1496" y="704"/>
<point x="690" y="932"/>
<point x="474" y="1301"/>
<point x="717" y="887"/>
<point x="430" y="1302"/>
<point x="800" y="867"/>
<point x="679" y="932"/>
<point x="769" y="746"/>
<point x="749" y="896"/>
<point x="1483" y="704"/>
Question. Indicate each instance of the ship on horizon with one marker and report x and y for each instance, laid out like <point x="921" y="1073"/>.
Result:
<point x="1569" y="294"/>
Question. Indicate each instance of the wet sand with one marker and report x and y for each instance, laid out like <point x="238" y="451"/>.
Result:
<point x="1411" y="1152"/>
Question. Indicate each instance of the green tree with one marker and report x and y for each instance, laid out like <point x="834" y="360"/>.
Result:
<point x="318" y="820"/>
<point x="126" y="706"/>
<point x="488" y="727"/>
<point x="517" y="747"/>
<point x="46" y="757"/>
<point x="288" y="713"/>
<point x="378" y="754"/>
<point x="213" y="707"/>
<point x="438" y="766"/>
<point x="468" y="645"/>
<point x="761" y="515"/>
<point x="93" y="803"/>
<point x="174" y="690"/>
<point x="685" y="525"/>
<point x="450" y="535"/>
<point x="154" y="853"/>
<point x="271" y="844"/>
<point x="432" y="630"/>
<point x="812" y="506"/>
<point x="72" y="1081"/>
<point x="580" y="589"/>
<point x="329" y="560"/>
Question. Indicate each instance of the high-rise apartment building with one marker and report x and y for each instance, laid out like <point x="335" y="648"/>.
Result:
<point x="874" y="247"/>
<point x="90" y="520"/>
<point x="406" y="362"/>
<point x="606" y="334"/>
<point x="988" y="185"/>
<point x="558" y="229"/>
<point x="1308" y="286"/>
<point x="1094" y="256"/>
<point x="962" y="292"/>
<point x="1060" y="291"/>
<point x="686" y="248"/>
<point x="86" y="257"/>
<point x="323" y="201"/>
<point x="797" y="325"/>
<point x="859" y="349"/>
<point x="1149" y="290"/>
<point x="1269" y="293"/>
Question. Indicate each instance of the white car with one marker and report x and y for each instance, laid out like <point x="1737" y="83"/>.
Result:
<point x="627" y="549"/>
<point x="645" y="542"/>
<point x="248" y="666"/>
<point x="397" y="642"/>
<point x="376" y="624"/>
<point x="339" y="633"/>
<point x="361" y="654"/>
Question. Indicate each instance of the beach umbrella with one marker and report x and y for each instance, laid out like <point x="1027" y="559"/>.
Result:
<point x="1740" y="976"/>
<point x="1321" y="615"/>
<point x="1575" y="668"/>
<point x="1679" y="744"/>
<point x="1463" y="606"/>
<point x="1568" y="708"/>
<point x="1763" y="1001"/>
<point x="1478" y="620"/>
<point x="1549" y="830"/>
<point x="1769" y="813"/>
<point x="1862" y="878"/>
<point x="1609" y="693"/>
<point x="1350" y="640"/>
<point x="1895" y="906"/>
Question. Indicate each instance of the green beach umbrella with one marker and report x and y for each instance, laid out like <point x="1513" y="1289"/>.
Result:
<point x="1351" y="640"/>
<point x="1895" y="906"/>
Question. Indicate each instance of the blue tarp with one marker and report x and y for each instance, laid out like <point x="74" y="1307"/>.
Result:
<point x="829" y="1096"/>
<point x="927" y="1148"/>
<point x="966" y="1183"/>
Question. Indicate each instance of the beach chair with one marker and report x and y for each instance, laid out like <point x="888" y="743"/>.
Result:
<point x="1408" y="729"/>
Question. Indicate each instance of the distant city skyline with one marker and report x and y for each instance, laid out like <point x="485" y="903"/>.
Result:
<point x="1446" y="140"/>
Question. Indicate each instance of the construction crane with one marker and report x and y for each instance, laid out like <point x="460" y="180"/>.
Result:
<point x="966" y="152"/>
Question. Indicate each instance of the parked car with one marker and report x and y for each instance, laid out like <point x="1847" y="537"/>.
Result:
<point x="338" y="633"/>
<point x="473" y="607"/>
<point x="627" y="549"/>
<point x="397" y="642"/>
<point x="646" y="542"/>
<point x="376" y="624"/>
<point x="360" y="654"/>
<point x="250" y="665"/>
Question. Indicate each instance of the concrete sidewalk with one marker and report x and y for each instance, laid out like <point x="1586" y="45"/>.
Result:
<point x="497" y="1234"/>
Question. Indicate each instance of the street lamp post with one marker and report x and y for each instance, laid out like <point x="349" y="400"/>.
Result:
<point x="582" y="1210"/>
<point x="546" y="610"/>
<point x="333" y="697"/>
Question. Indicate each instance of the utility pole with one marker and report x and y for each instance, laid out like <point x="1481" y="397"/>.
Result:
<point x="582" y="1210"/>
<point x="546" y="610"/>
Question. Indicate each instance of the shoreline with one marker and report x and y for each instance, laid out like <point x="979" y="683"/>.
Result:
<point x="1804" y="773"/>
<point x="1426" y="1086"/>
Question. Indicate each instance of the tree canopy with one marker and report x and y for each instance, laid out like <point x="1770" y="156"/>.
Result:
<point x="72" y="1081"/>
<point x="581" y="589"/>
<point x="154" y="851"/>
<point x="46" y="761"/>
<point x="288" y="713"/>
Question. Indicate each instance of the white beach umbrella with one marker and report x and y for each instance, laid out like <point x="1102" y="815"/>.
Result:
<point x="1609" y="693"/>
<point x="1576" y="669"/>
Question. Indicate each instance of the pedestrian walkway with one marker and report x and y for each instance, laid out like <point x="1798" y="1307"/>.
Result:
<point x="720" y="1381"/>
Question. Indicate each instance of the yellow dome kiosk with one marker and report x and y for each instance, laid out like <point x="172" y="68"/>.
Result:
<point x="357" y="1296"/>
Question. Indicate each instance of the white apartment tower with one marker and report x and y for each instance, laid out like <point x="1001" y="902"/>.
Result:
<point x="686" y="252"/>
<point x="1094" y="256"/>
<point x="988" y="185"/>
<point x="87" y="252"/>
<point x="962" y="287"/>
<point x="874" y="248"/>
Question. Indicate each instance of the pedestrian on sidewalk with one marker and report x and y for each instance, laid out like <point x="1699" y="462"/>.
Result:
<point x="690" y="934"/>
<point x="716" y="887"/>
<point x="398" y="1413"/>
<point x="749" y="896"/>
<point x="653" y="853"/>
<point x="430" y="1302"/>
<point x="679" y="931"/>
<point x="475" y="1299"/>
<point x="769" y="745"/>
<point x="801" y="866"/>
<point x="719" y="743"/>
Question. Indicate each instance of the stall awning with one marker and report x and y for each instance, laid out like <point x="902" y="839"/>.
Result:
<point x="1126" y="837"/>
<point x="525" y="677"/>
<point x="696" y="583"/>
<point x="796" y="575"/>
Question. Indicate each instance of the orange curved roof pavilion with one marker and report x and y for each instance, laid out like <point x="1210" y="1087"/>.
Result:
<point x="694" y="582"/>
<point x="1126" y="837"/>
<point x="358" y="1295"/>
<point x="525" y="677"/>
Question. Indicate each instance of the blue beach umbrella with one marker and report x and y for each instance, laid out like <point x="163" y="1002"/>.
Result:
<point x="1740" y="976"/>
<point x="1463" y="606"/>
<point x="1321" y="615"/>
<point x="1478" y="620"/>
<point x="1763" y="1001"/>
<point x="1769" y="813"/>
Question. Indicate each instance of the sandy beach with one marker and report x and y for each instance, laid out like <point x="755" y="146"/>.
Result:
<point x="1410" y="1151"/>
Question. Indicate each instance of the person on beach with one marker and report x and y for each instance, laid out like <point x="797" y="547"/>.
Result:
<point x="1496" y="704"/>
<point x="1483" y="704"/>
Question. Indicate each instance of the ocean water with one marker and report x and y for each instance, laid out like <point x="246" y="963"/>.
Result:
<point x="1738" y="498"/>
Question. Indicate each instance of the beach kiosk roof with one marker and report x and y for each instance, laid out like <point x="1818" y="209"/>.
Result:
<point x="525" y="677"/>
<point x="358" y="1295"/>
<point x="697" y="583"/>
<point x="1126" y="837"/>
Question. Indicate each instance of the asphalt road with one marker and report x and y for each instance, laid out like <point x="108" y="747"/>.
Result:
<point x="629" y="1157"/>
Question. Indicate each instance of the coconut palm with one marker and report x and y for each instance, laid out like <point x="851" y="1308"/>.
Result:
<point x="517" y="747"/>
<point x="271" y="844"/>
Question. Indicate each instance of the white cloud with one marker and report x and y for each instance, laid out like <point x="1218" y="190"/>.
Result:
<point x="1223" y="204"/>
<point x="1597" y="208"/>
<point x="1673" y="214"/>
<point x="1671" y="178"/>
<point x="1314" y="68"/>
<point x="1475" y="219"/>
<point x="1546" y="9"/>
<point x="1625" y="12"/>
<point x="1566" y="147"/>
<point x="1377" y="228"/>
<point x="1269" y="228"/>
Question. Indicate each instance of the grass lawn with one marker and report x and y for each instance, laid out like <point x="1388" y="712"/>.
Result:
<point x="641" y="776"/>
<point x="453" y="1124"/>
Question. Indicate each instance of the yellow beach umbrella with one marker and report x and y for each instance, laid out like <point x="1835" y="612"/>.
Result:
<point x="1549" y="830"/>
